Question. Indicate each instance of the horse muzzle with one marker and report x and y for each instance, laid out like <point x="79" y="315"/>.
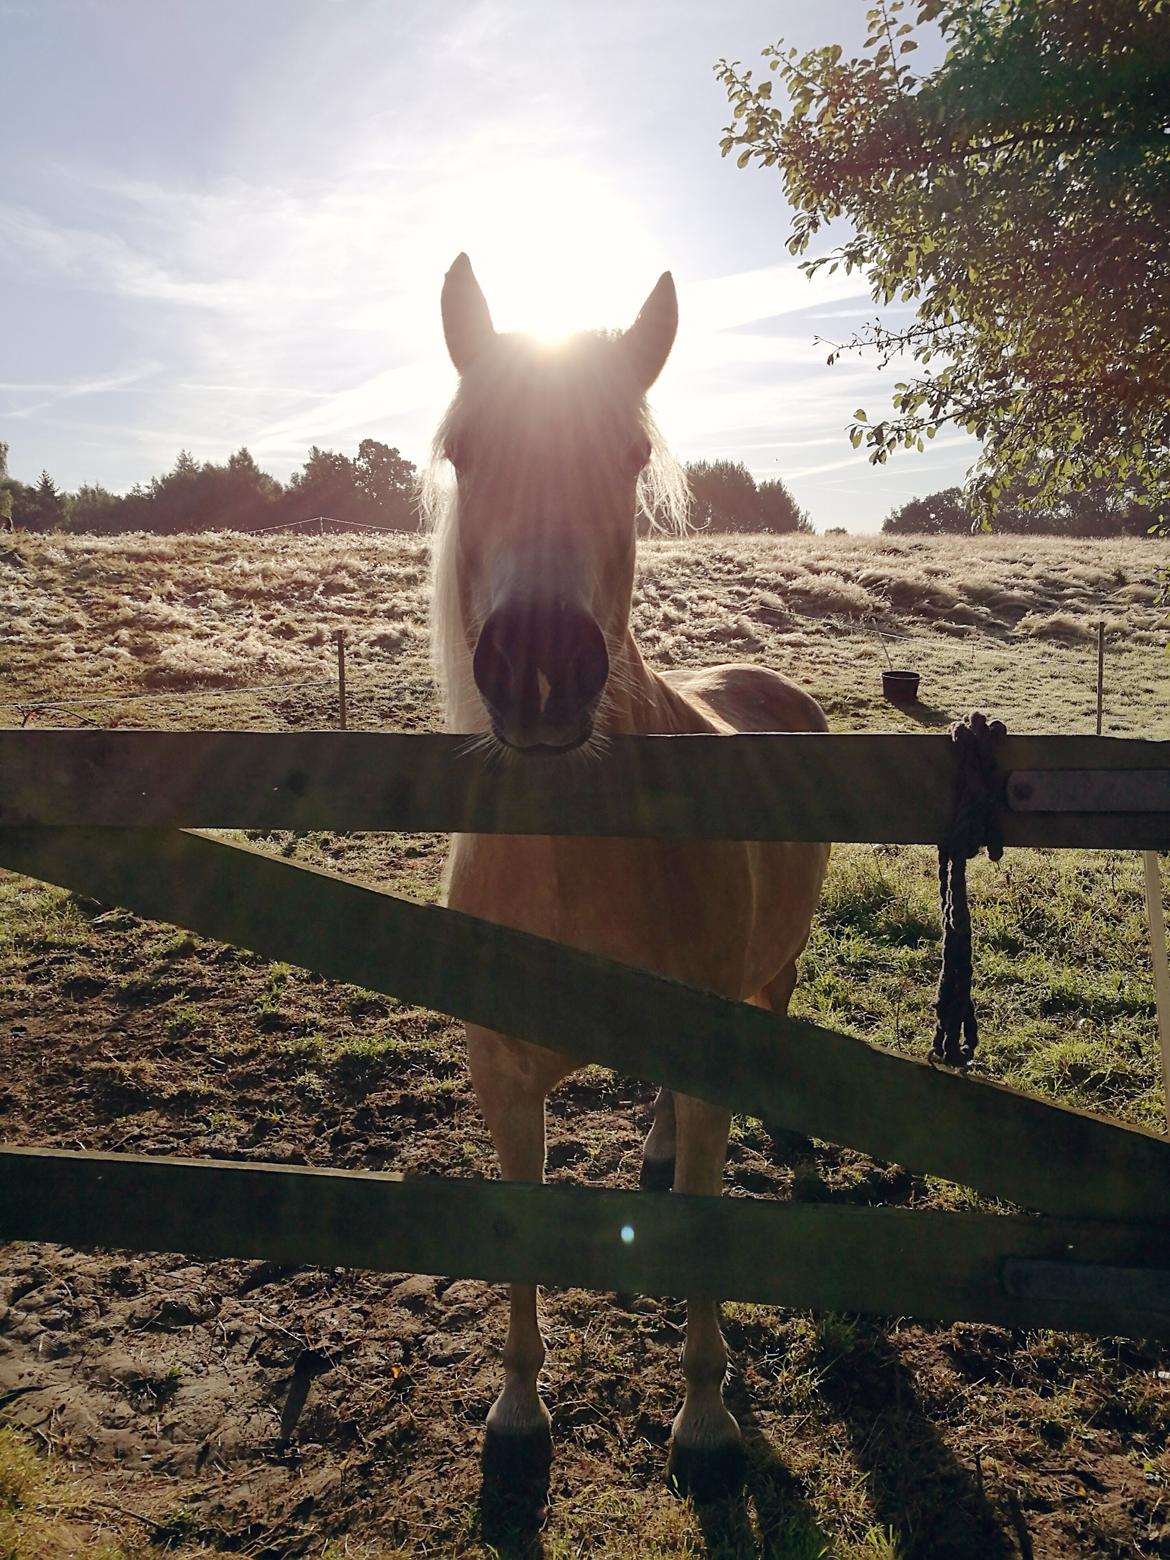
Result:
<point x="541" y="668"/>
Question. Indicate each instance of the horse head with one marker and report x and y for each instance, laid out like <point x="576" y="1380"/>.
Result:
<point x="549" y="443"/>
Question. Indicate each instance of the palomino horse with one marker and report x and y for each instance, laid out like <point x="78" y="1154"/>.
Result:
<point x="534" y="570"/>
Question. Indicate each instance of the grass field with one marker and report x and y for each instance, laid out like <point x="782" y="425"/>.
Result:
<point x="157" y="1386"/>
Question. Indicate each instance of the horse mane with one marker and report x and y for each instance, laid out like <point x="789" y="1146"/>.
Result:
<point x="663" y="501"/>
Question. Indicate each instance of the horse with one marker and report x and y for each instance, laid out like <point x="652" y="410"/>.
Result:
<point x="554" y="452"/>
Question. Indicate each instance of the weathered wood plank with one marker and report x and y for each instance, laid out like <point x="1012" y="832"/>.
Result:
<point x="882" y="787"/>
<point x="1089" y="790"/>
<point x="791" y="1073"/>
<point x="944" y="1266"/>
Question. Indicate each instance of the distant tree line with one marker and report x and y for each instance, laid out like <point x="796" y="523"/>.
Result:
<point x="375" y="487"/>
<point x="1101" y="508"/>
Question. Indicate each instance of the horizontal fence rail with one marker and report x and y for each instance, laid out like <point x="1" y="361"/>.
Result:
<point x="868" y="787"/>
<point x="1019" y="1272"/>
<point x="789" y="1072"/>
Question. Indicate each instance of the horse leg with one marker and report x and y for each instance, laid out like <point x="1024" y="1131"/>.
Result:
<point x="706" y="1454"/>
<point x="776" y="996"/>
<point x="511" y="1081"/>
<point x="658" y="1151"/>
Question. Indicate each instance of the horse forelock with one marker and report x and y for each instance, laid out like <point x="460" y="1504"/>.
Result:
<point x="522" y="384"/>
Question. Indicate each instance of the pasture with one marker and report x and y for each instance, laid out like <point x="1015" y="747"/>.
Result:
<point x="171" y="1390"/>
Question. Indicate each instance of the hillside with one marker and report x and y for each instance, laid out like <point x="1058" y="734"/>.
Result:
<point x="1007" y="624"/>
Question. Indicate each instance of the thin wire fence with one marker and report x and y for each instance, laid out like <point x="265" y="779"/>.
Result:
<point x="962" y="652"/>
<point x="321" y="521"/>
<point x="29" y="709"/>
<point x="161" y="693"/>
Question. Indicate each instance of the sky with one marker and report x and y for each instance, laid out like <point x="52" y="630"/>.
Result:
<point x="226" y="223"/>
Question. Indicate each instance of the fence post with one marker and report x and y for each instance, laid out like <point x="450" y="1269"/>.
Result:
<point x="1100" y="673"/>
<point x="1158" y="960"/>
<point x="341" y="709"/>
<point x="1154" y="913"/>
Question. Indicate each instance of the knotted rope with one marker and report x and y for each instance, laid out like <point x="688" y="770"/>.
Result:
<point x="976" y="823"/>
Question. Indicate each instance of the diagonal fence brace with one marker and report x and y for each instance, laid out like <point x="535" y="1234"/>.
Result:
<point x="788" y="1072"/>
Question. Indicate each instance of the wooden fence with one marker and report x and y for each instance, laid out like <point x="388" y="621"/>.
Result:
<point x="109" y="814"/>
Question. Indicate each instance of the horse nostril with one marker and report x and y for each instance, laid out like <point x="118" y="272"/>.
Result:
<point x="540" y="665"/>
<point x="491" y="666"/>
<point x="589" y="667"/>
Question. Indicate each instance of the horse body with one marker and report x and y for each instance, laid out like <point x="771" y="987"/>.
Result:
<point x="533" y="583"/>
<point x="729" y="915"/>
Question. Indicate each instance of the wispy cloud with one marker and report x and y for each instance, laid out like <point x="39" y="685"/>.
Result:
<point x="940" y="453"/>
<point x="51" y="394"/>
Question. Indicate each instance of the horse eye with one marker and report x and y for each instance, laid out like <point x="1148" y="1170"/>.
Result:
<point x="639" y="454"/>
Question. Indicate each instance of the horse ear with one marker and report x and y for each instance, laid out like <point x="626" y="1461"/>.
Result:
<point x="467" y="324"/>
<point x="650" y="338"/>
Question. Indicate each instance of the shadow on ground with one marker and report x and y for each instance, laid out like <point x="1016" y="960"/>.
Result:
<point x="931" y="1502"/>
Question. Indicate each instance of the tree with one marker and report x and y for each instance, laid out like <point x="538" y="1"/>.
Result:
<point x="325" y="485"/>
<point x="779" y="511"/>
<point x="242" y="496"/>
<point x="176" y="501"/>
<point x="938" y="514"/>
<point x="724" y="497"/>
<point x="237" y="496"/>
<point x="375" y="488"/>
<point x="95" y="509"/>
<point x="49" y="504"/>
<point x="1102" y="508"/>
<point x="1017" y="195"/>
<point x="17" y="506"/>
<point x="386" y="479"/>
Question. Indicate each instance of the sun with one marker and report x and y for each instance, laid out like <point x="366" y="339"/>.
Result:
<point x="557" y="251"/>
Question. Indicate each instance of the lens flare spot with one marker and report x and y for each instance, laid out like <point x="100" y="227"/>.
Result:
<point x="627" y="1233"/>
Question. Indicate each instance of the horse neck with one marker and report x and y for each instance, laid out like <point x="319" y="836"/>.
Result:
<point x="638" y="699"/>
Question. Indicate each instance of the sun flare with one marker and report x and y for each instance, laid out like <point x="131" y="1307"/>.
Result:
<point x="558" y="251"/>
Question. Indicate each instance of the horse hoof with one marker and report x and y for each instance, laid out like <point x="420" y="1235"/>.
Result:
<point x="657" y="1175"/>
<point x="706" y="1473"/>
<point x="512" y="1462"/>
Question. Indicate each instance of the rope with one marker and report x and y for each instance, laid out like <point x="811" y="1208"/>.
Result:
<point x="976" y="823"/>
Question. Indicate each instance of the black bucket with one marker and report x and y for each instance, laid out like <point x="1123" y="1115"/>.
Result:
<point x="900" y="687"/>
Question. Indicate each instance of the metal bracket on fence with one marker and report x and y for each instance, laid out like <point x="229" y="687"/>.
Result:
<point x="1089" y="790"/>
<point x="1121" y="1289"/>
